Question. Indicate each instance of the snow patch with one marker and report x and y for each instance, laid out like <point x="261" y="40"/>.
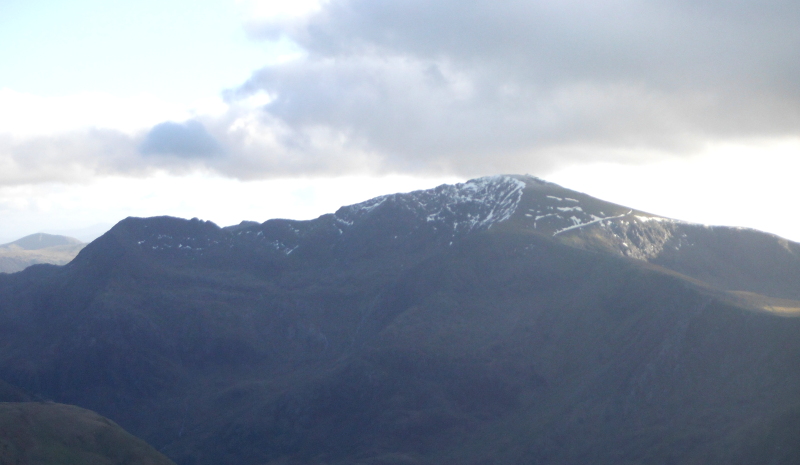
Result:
<point x="579" y="224"/>
<point x="657" y="219"/>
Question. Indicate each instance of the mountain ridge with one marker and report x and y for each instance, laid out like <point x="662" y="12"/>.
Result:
<point x="572" y="217"/>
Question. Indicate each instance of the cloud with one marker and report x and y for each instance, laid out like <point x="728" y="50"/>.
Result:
<point x="72" y="157"/>
<point x="187" y="140"/>
<point x="481" y="86"/>
<point x="445" y="87"/>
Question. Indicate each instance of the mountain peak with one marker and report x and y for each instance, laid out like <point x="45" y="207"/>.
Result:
<point x="461" y="208"/>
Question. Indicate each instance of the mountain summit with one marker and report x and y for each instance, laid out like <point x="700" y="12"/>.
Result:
<point x="501" y="320"/>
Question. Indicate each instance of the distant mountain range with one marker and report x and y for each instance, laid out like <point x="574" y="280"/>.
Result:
<point x="38" y="248"/>
<point x="505" y="320"/>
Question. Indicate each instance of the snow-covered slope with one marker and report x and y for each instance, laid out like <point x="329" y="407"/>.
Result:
<point x="458" y="209"/>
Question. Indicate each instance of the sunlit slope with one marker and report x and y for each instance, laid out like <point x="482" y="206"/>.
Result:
<point x="785" y="307"/>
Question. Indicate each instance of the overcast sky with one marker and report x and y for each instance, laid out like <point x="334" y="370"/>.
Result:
<point x="252" y="109"/>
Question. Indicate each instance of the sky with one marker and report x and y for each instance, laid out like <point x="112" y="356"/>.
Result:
<point x="231" y="110"/>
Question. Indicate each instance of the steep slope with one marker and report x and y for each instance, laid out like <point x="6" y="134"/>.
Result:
<point x="35" y="433"/>
<point x="503" y="320"/>
<point x="38" y="248"/>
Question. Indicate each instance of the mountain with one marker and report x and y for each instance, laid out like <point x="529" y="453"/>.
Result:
<point x="38" y="248"/>
<point x="36" y="433"/>
<point x="503" y="320"/>
<point x="40" y="241"/>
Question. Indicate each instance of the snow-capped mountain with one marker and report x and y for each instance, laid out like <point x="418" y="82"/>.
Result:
<point x="502" y="320"/>
<point x="446" y="214"/>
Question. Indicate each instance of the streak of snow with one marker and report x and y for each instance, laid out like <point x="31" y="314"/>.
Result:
<point x="590" y="222"/>
<point x="657" y="219"/>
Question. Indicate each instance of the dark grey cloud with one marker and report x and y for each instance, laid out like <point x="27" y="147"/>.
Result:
<point x="478" y="86"/>
<point x="188" y="140"/>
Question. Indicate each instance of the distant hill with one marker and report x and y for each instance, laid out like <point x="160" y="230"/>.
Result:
<point x="36" y="433"/>
<point x="36" y="249"/>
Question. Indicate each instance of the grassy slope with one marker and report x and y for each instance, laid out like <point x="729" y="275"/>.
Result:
<point x="34" y="433"/>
